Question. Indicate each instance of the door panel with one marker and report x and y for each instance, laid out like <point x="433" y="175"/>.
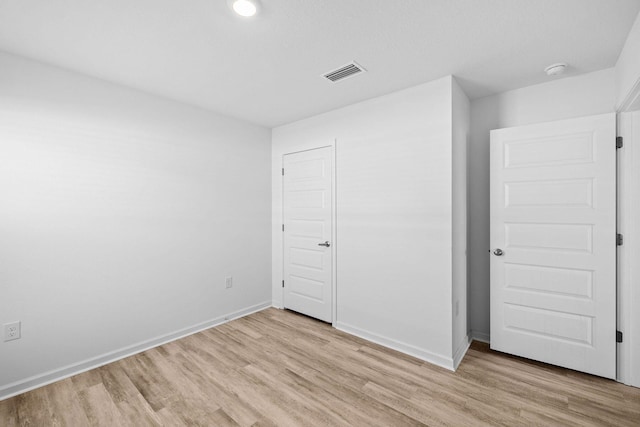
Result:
<point x="553" y="214"/>
<point x="307" y="223"/>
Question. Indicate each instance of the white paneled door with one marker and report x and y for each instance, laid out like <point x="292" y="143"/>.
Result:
<point x="308" y="232"/>
<point x="553" y="243"/>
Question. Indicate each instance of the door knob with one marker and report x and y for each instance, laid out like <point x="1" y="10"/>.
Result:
<point x="498" y="252"/>
<point x="325" y="244"/>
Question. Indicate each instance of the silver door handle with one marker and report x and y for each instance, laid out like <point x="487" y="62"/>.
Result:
<point x="325" y="244"/>
<point x="498" y="252"/>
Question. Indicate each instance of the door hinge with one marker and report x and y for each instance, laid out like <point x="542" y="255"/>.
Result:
<point x="283" y="283"/>
<point x="619" y="239"/>
<point x="619" y="142"/>
<point x="618" y="336"/>
<point x="282" y="171"/>
<point x="282" y="227"/>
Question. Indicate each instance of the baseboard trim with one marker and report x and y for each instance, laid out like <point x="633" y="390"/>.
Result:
<point x="480" y="336"/>
<point x="409" y="349"/>
<point x="460" y="351"/>
<point x="52" y="376"/>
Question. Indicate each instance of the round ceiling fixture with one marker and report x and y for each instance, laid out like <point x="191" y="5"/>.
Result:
<point x="245" y="8"/>
<point x="555" y="69"/>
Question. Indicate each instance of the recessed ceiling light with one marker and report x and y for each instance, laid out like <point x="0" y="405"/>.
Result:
<point x="555" y="69"/>
<point x="246" y="8"/>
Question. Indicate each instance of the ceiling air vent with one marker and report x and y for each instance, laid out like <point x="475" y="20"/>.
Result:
<point x="342" y="73"/>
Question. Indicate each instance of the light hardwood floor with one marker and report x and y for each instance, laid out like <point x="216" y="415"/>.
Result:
<point x="280" y="368"/>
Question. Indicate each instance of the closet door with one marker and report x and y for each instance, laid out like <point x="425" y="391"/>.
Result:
<point x="553" y="243"/>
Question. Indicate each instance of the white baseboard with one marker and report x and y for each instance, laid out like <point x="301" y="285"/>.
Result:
<point x="480" y="336"/>
<point x="24" y="385"/>
<point x="427" y="356"/>
<point x="461" y="350"/>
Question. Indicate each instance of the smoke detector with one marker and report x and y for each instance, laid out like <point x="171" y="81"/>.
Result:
<point x="555" y="69"/>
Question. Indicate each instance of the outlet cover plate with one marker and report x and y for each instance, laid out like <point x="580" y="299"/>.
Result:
<point x="12" y="331"/>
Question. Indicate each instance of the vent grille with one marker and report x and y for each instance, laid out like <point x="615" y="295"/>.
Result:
<point x="342" y="73"/>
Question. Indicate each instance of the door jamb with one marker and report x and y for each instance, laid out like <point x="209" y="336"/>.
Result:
<point x="628" y="208"/>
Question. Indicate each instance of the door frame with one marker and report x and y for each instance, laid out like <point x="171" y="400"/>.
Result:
<point x="628" y="271"/>
<point x="628" y="158"/>
<point x="334" y="238"/>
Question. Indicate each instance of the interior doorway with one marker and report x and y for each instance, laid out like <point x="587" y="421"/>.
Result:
<point x="307" y="231"/>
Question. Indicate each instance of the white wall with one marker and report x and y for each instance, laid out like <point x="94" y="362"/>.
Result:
<point x="628" y="66"/>
<point x="460" y="134"/>
<point x="584" y="95"/>
<point x="394" y="215"/>
<point x="121" y="214"/>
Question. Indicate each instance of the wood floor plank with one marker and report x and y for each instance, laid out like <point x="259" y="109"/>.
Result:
<point x="34" y="408"/>
<point x="291" y="398"/>
<point x="86" y="379"/>
<point x="212" y="382"/>
<point x="65" y="403"/>
<point x="220" y="418"/>
<point x="156" y="389"/>
<point x="168" y="418"/>
<point x="127" y="397"/>
<point x="190" y="403"/>
<point x="342" y="409"/>
<point x="100" y="408"/>
<point x="381" y="413"/>
<point x="278" y="368"/>
<point x="9" y="412"/>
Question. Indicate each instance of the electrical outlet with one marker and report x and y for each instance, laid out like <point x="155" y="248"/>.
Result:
<point x="229" y="282"/>
<point x="11" y="331"/>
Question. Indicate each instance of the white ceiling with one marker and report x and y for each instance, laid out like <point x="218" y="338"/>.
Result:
<point x="268" y="70"/>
